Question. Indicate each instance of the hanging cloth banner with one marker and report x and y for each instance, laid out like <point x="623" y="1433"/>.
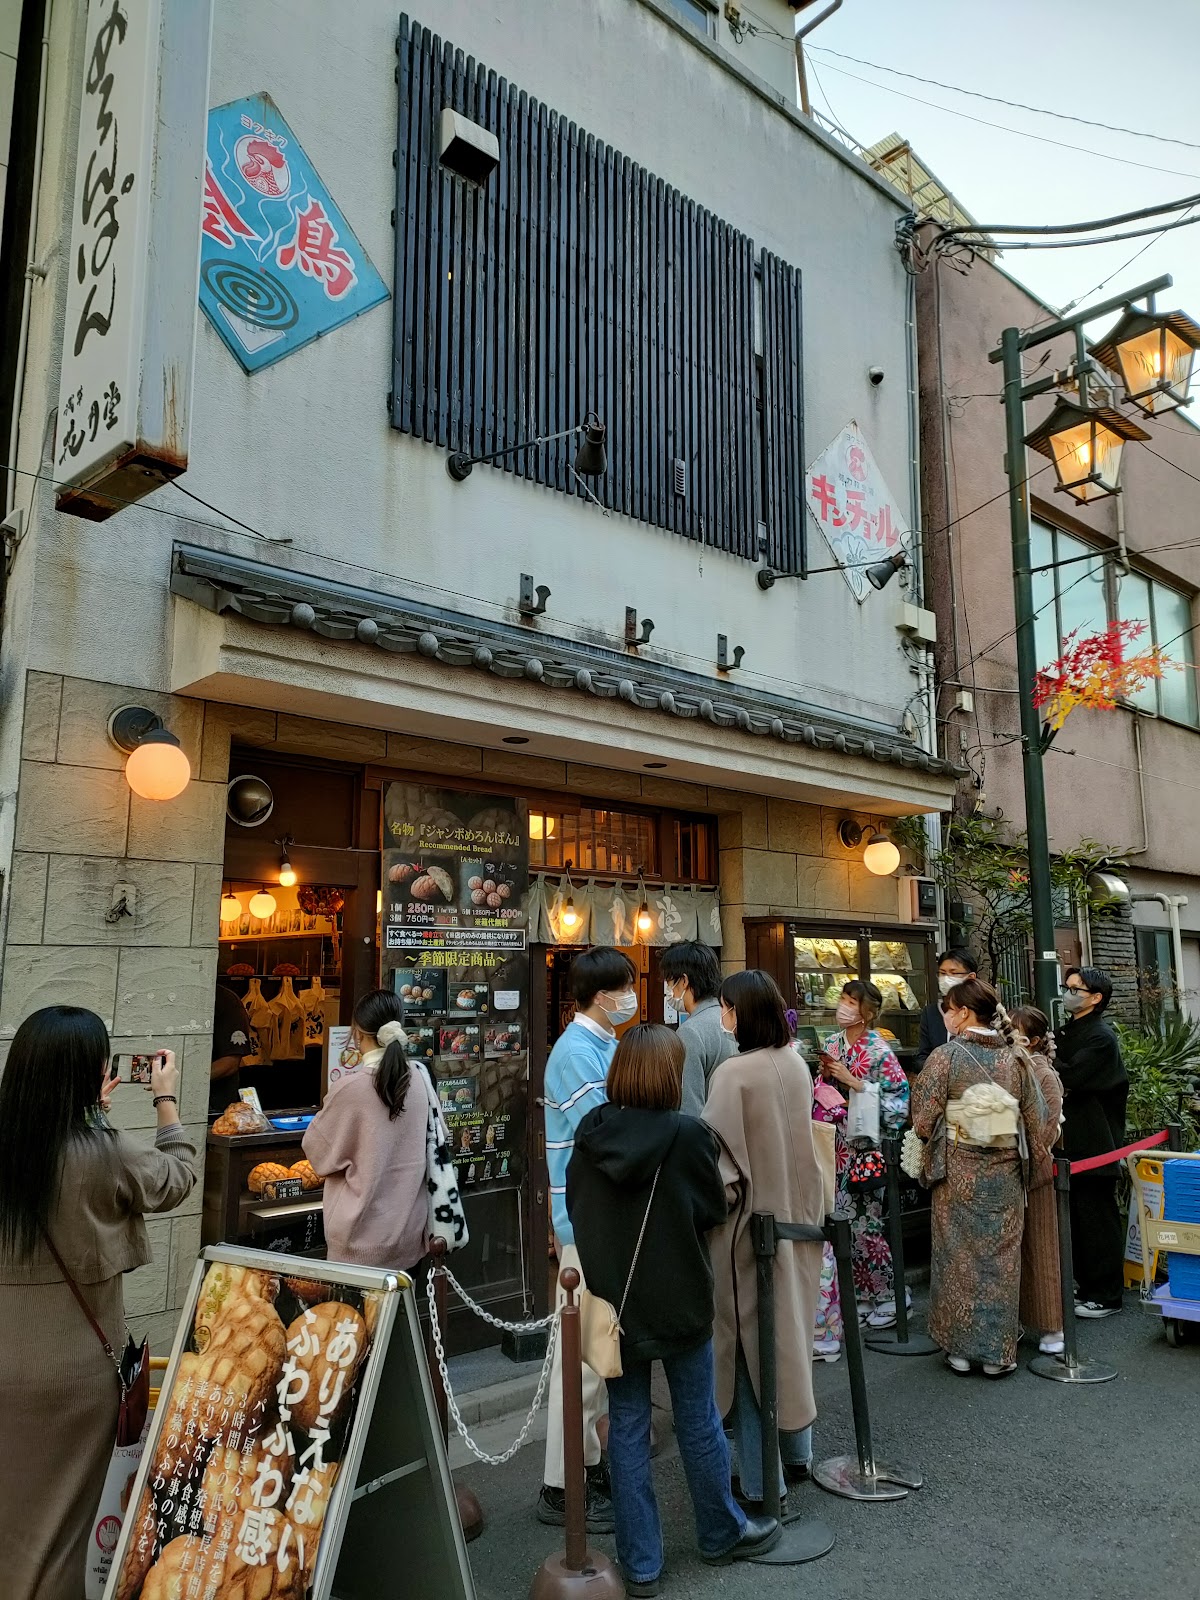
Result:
<point x="608" y="914"/>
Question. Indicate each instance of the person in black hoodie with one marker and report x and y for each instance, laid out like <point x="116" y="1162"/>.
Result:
<point x="640" y="1164"/>
<point x="1095" y="1089"/>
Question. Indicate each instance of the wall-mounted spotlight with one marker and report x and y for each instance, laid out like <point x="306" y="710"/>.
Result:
<point x="591" y="458"/>
<point x="527" y="605"/>
<point x="633" y="635"/>
<point x="725" y="661"/>
<point x="157" y="768"/>
<point x="877" y="573"/>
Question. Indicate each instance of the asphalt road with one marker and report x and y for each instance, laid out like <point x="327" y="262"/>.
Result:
<point x="1031" y="1488"/>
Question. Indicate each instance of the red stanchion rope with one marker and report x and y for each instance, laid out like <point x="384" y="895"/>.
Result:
<point x="1116" y="1155"/>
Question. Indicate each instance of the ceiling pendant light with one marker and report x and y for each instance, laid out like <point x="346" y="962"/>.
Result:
<point x="231" y="906"/>
<point x="263" y="904"/>
<point x="287" y="872"/>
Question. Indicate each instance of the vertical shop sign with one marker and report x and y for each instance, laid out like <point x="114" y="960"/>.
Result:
<point x="854" y="508"/>
<point x="455" y="949"/>
<point x="128" y="345"/>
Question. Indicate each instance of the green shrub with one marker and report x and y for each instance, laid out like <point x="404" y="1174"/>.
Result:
<point x="1162" y="1058"/>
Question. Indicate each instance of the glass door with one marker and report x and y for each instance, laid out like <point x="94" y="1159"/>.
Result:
<point x="899" y="968"/>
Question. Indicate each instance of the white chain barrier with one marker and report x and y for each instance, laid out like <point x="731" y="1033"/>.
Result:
<point x="550" y="1322"/>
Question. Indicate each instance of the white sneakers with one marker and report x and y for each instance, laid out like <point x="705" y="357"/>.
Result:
<point x="1051" y="1344"/>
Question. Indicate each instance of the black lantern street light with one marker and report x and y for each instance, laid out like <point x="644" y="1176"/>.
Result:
<point x="1153" y="352"/>
<point x="1085" y="444"/>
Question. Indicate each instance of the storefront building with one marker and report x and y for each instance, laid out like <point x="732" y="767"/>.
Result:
<point x="486" y="718"/>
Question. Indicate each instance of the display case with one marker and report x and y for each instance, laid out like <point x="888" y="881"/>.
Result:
<point x="812" y="961"/>
<point x="286" y="1217"/>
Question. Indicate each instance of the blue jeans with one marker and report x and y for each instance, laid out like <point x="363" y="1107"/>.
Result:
<point x="702" y="1448"/>
<point x="795" y="1446"/>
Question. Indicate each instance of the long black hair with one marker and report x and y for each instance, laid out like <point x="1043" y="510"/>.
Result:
<point x="371" y="1013"/>
<point x="48" y="1095"/>
<point x="761" y="1011"/>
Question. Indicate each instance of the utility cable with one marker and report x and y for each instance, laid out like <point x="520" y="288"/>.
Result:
<point x="1016" y="105"/>
<point x="1039" y="138"/>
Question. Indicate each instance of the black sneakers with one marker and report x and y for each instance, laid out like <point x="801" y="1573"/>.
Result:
<point x="597" y="1505"/>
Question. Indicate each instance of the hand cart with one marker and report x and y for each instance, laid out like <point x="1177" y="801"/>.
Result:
<point x="1163" y="1234"/>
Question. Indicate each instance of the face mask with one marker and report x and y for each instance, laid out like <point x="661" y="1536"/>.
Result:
<point x="949" y="981"/>
<point x="625" y="1007"/>
<point x="732" y="1032"/>
<point x="950" y="1018"/>
<point x="847" y="1014"/>
<point x="675" y="1001"/>
<point x="1075" y="1000"/>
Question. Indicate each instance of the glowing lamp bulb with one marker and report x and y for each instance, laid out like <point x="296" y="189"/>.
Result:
<point x="231" y="908"/>
<point x="158" y="768"/>
<point x="569" y="917"/>
<point x="644" y="920"/>
<point x="881" y="856"/>
<point x="287" y="874"/>
<point x="262" y="905"/>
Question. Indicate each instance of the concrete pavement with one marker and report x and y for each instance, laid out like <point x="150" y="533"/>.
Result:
<point x="1032" y="1488"/>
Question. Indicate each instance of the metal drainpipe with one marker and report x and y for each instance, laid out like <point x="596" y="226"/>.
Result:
<point x="801" y="35"/>
<point x="1171" y="904"/>
<point x="32" y="270"/>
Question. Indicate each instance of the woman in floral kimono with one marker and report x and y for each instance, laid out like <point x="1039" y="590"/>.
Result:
<point x="978" y="1106"/>
<point x="852" y="1058"/>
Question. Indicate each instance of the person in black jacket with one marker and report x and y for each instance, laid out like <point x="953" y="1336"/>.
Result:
<point x="640" y="1163"/>
<point x="953" y="966"/>
<point x="1096" y="1088"/>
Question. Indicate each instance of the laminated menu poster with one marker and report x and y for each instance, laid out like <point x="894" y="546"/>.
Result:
<point x="253" y="1432"/>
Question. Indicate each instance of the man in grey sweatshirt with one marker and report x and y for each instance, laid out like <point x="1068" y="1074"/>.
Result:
<point x="691" y="983"/>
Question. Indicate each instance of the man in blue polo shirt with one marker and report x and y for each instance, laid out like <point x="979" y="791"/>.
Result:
<point x="603" y="985"/>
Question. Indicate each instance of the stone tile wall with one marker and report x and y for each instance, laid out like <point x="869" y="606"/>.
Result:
<point x="80" y="832"/>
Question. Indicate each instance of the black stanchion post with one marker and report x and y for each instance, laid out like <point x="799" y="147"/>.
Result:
<point x="577" y="1570"/>
<point x="801" y="1541"/>
<point x="1174" y="1136"/>
<point x="1068" y="1368"/>
<point x="898" y="1341"/>
<point x="861" y="1478"/>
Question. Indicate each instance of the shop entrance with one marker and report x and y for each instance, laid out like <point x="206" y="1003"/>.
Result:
<point x="560" y="1006"/>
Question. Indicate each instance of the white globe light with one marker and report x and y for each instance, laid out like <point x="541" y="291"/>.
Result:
<point x="231" y="908"/>
<point x="881" y="856"/>
<point x="262" y="905"/>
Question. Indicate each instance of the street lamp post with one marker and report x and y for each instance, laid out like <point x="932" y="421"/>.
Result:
<point x="1013" y="343"/>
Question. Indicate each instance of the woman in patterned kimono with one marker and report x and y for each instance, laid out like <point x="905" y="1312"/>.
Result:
<point x="852" y="1058"/>
<point x="1041" y="1288"/>
<point x="978" y="1107"/>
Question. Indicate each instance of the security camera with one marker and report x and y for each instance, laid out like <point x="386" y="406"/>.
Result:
<point x="876" y="375"/>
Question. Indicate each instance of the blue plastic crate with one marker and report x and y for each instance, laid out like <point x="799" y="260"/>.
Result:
<point x="1181" y="1203"/>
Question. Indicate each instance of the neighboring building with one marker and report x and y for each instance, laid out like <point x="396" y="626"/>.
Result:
<point x="1130" y="778"/>
<point x="665" y="242"/>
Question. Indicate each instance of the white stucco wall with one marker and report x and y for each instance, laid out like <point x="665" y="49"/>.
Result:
<point x="304" y="449"/>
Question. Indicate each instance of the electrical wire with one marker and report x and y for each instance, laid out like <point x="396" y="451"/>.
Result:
<point x="1016" y="105"/>
<point x="1039" y="138"/>
<point x="1107" y="238"/>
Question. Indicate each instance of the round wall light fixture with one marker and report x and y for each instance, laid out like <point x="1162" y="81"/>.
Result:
<point x="157" y="768"/>
<point x="880" y="856"/>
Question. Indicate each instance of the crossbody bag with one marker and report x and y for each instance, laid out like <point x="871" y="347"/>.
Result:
<point x="133" y="1369"/>
<point x="600" y="1320"/>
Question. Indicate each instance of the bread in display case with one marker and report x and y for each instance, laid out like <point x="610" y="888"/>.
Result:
<point x="260" y="1190"/>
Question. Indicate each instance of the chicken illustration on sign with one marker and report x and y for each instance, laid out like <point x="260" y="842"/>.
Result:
<point x="280" y="265"/>
<point x="854" y="508"/>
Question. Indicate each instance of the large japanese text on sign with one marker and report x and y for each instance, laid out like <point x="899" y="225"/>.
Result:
<point x="853" y="507"/>
<point x="252" y="1439"/>
<point x="280" y="265"/>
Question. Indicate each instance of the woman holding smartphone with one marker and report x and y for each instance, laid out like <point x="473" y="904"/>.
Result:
<point x="73" y="1194"/>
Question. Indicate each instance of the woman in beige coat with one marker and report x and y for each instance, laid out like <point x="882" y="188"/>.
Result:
<point x="66" y="1176"/>
<point x="760" y="1106"/>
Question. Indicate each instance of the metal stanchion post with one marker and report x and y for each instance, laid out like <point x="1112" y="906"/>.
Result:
<point x="575" y="1571"/>
<point x="1068" y="1368"/>
<point x="1174" y="1136"/>
<point x="470" y="1512"/>
<point x="861" y="1477"/>
<point x="801" y="1541"/>
<point x="900" y="1340"/>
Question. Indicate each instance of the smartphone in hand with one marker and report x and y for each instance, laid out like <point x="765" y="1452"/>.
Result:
<point x="134" y="1068"/>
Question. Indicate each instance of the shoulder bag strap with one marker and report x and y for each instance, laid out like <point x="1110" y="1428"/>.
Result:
<point x="83" y="1305"/>
<point x="637" y="1249"/>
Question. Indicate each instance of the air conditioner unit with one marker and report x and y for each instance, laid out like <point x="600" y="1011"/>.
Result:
<point x="918" y="900"/>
